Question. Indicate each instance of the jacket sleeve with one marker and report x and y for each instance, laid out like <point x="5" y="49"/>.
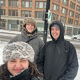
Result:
<point x="40" y="60"/>
<point x="72" y="67"/>
<point x="41" y="44"/>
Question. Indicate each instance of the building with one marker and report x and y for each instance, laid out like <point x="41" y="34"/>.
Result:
<point x="13" y="12"/>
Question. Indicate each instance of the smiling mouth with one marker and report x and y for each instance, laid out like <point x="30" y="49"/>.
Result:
<point x="18" y="70"/>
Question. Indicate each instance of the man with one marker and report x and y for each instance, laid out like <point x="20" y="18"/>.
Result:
<point x="58" y="59"/>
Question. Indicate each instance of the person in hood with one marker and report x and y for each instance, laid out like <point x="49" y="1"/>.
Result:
<point x="18" y="58"/>
<point x="58" y="59"/>
<point x="29" y="34"/>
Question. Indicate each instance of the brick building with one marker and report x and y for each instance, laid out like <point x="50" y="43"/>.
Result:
<point x="13" y="12"/>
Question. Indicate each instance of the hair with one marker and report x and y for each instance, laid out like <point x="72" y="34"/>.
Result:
<point x="34" y="70"/>
<point x="4" y="73"/>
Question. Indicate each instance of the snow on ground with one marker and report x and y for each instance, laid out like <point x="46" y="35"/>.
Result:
<point x="8" y="31"/>
<point x="78" y="74"/>
<point x="2" y="44"/>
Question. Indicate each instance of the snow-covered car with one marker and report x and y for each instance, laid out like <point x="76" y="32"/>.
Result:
<point x="67" y="37"/>
<point x="76" y="37"/>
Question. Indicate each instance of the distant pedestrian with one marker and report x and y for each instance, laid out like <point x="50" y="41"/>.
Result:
<point x="29" y="34"/>
<point x="58" y="58"/>
<point x="18" y="58"/>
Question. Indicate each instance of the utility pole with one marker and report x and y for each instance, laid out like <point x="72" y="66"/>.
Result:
<point x="46" y="21"/>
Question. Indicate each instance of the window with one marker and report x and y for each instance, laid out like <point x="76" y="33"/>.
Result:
<point x="65" y="2"/>
<point x="70" y="21"/>
<point x="69" y="30"/>
<point x="72" y="5"/>
<point x="2" y="11"/>
<point x="13" y="3"/>
<point x="2" y="3"/>
<point x="71" y="13"/>
<point x="26" y="13"/>
<point x="76" y="22"/>
<point x="40" y="4"/>
<point x="44" y="4"/>
<point x="2" y="23"/>
<point x="58" y="0"/>
<point x="13" y="12"/>
<point x="64" y="10"/>
<point x="78" y="8"/>
<point x="63" y="19"/>
<point x="38" y="14"/>
<point x="79" y="1"/>
<point x="36" y="4"/>
<point x="12" y="25"/>
<point x="54" y="16"/>
<point x="77" y="15"/>
<point x="55" y="7"/>
<point x="27" y="3"/>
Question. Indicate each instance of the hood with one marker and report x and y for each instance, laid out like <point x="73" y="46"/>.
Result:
<point x="61" y="37"/>
<point x="31" y="21"/>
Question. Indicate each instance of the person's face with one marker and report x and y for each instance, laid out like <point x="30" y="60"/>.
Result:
<point x="55" y="32"/>
<point x="29" y="27"/>
<point x="17" y="65"/>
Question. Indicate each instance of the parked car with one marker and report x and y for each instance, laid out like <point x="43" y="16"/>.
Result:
<point x="76" y="37"/>
<point x="68" y="37"/>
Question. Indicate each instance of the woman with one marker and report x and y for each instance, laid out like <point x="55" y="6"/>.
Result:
<point x="30" y="35"/>
<point x="18" y="58"/>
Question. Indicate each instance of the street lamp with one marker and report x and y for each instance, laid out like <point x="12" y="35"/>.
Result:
<point x="46" y="21"/>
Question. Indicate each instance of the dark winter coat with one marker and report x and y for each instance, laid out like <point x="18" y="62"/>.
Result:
<point x="25" y="75"/>
<point x="58" y="59"/>
<point x="33" y="39"/>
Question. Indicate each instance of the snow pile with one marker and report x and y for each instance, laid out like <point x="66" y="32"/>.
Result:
<point x="68" y="37"/>
<point x="8" y="31"/>
<point x="2" y="44"/>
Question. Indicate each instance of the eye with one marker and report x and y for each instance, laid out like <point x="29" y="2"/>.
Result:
<point x="23" y="60"/>
<point x="13" y="60"/>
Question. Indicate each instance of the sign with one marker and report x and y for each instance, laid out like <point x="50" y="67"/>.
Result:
<point x="49" y="16"/>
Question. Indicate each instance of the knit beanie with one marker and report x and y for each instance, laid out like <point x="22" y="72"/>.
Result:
<point x="18" y="50"/>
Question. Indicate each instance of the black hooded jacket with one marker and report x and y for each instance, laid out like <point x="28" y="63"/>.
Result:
<point x="58" y="59"/>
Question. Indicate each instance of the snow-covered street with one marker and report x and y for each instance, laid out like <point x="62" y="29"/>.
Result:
<point x="2" y="44"/>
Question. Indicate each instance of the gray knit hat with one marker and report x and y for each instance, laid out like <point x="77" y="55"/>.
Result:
<point x="18" y="50"/>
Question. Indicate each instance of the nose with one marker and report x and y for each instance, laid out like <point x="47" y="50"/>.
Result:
<point x="53" y="31"/>
<point x="18" y="65"/>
